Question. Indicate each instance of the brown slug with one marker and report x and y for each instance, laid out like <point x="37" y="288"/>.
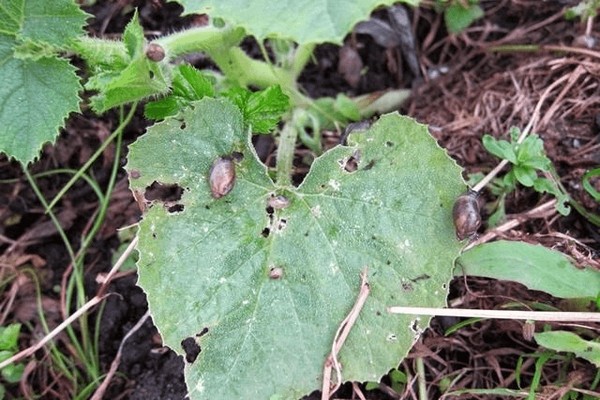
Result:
<point x="221" y="177"/>
<point x="278" y="202"/>
<point x="155" y="52"/>
<point x="466" y="214"/>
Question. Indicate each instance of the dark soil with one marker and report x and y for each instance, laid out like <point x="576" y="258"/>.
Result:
<point x="482" y="91"/>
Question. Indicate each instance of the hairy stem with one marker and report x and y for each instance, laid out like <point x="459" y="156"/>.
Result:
<point x="285" y="151"/>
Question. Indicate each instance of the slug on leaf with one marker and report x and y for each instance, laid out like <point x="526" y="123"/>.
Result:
<point x="466" y="214"/>
<point x="221" y="177"/>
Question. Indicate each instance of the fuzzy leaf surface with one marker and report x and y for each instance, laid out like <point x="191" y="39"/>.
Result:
<point x="36" y="97"/>
<point x="205" y="263"/>
<point x="54" y="22"/>
<point x="37" y="89"/>
<point x="309" y="21"/>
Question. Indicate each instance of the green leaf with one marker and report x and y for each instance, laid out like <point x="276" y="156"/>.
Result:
<point x="192" y="84"/>
<point x="588" y="186"/>
<point x="347" y="107"/>
<point x="531" y="153"/>
<point x="542" y="185"/>
<point x="500" y="148"/>
<point x="38" y="90"/>
<point x="9" y="336"/>
<point x="55" y="22"/>
<point x="133" y="37"/>
<point x="141" y="79"/>
<point x="12" y="373"/>
<point x="262" y="110"/>
<point x="525" y="175"/>
<point x="534" y="266"/>
<point x="571" y="343"/>
<point x="37" y="96"/>
<point x="459" y="17"/>
<point x="163" y="108"/>
<point x="309" y="21"/>
<point x="189" y="84"/>
<point x="208" y="265"/>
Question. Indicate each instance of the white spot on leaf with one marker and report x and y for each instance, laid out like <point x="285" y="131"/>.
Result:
<point x="316" y="211"/>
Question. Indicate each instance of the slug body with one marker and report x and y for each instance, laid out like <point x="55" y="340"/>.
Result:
<point x="221" y="177"/>
<point x="278" y="202"/>
<point x="466" y="214"/>
<point x="155" y="52"/>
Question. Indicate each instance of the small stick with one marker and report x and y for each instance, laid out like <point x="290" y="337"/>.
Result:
<point x="91" y="303"/>
<point x="558" y="316"/>
<point x="340" y="337"/>
<point x="542" y="211"/>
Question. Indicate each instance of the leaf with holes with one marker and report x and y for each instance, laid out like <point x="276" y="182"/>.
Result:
<point x="309" y="21"/>
<point x="261" y="277"/>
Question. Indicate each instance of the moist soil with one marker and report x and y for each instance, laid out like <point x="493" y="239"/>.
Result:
<point x="466" y="86"/>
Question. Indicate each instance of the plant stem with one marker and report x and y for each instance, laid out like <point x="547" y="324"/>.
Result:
<point x="93" y="158"/>
<point x="220" y="44"/>
<point x="303" y="53"/>
<point x="285" y="151"/>
<point x="421" y="378"/>
<point x="201" y="39"/>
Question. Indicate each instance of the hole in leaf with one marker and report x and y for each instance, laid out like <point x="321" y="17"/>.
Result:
<point x="282" y="224"/>
<point x="175" y="208"/>
<point x="191" y="349"/>
<point x="161" y="192"/>
<point x="269" y="210"/>
<point x="407" y="287"/>
<point x="420" y="278"/>
<point x="414" y="326"/>
<point x="151" y="74"/>
<point x="265" y="232"/>
<point x="369" y="165"/>
<point x="351" y="164"/>
<point x="237" y="156"/>
<point x="203" y="332"/>
<point x="182" y="126"/>
<point x="389" y="144"/>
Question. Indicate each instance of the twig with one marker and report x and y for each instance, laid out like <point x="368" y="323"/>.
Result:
<point x="91" y="303"/>
<point x="558" y="316"/>
<point x="99" y="393"/>
<point x="544" y="210"/>
<point x="340" y="337"/>
<point x="356" y="390"/>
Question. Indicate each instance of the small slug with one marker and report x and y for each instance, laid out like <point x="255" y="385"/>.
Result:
<point x="221" y="177"/>
<point x="155" y="52"/>
<point x="278" y="202"/>
<point x="275" y="272"/>
<point x="465" y="212"/>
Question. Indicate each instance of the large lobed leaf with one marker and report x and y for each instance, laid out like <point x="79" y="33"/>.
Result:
<point x="309" y="21"/>
<point x="37" y="90"/>
<point x="207" y="265"/>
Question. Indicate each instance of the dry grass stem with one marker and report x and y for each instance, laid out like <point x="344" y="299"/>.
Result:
<point x="331" y="362"/>
<point x="73" y="317"/>
<point x="560" y="316"/>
